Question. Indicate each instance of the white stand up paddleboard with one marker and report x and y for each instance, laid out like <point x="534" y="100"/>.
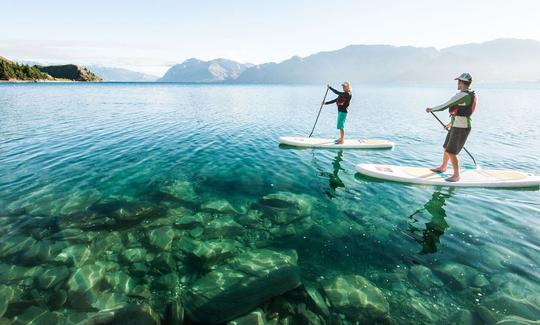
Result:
<point x="329" y="143"/>
<point x="468" y="178"/>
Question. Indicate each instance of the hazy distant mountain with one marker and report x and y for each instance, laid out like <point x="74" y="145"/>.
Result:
<point x="494" y="61"/>
<point x="119" y="74"/>
<point x="194" y="70"/>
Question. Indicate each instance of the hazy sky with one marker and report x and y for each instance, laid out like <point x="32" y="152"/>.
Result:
<point x="152" y="35"/>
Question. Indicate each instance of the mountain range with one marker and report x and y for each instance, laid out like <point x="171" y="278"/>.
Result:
<point x="119" y="74"/>
<point x="195" y="70"/>
<point x="501" y="60"/>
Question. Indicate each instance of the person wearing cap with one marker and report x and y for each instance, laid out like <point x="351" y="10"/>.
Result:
<point x="342" y="101"/>
<point x="461" y="107"/>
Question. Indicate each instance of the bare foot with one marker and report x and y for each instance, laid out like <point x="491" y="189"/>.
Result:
<point x="339" y="141"/>
<point x="438" y="170"/>
<point x="453" y="178"/>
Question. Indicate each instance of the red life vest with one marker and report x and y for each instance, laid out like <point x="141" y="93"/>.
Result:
<point x="466" y="110"/>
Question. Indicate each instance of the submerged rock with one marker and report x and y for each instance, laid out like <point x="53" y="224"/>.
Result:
<point x="219" y="206"/>
<point x="76" y="255"/>
<point x="134" y="255"/>
<point x="52" y="276"/>
<point x="6" y="294"/>
<point x="210" y="251"/>
<point x="357" y="298"/>
<point x="424" y="278"/>
<point x="14" y="244"/>
<point x="256" y="317"/>
<point x="317" y="299"/>
<point x="193" y="221"/>
<point x="181" y="190"/>
<point x="36" y="315"/>
<point x="128" y="315"/>
<point x="164" y="263"/>
<point x="456" y="275"/>
<point x="42" y="251"/>
<point x="120" y="281"/>
<point x="83" y="287"/>
<point x="505" y="304"/>
<point x="56" y="299"/>
<point x="306" y="316"/>
<point x="234" y="289"/>
<point x="161" y="238"/>
<point x="108" y="300"/>
<point x="12" y="273"/>
<point x="175" y="313"/>
<point x="516" y="320"/>
<point x="224" y="226"/>
<point x="285" y="207"/>
<point x="461" y="317"/>
<point x="166" y="282"/>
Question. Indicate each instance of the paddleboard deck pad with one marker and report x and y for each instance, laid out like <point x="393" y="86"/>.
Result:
<point x="468" y="178"/>
<point x="330" y="143"/>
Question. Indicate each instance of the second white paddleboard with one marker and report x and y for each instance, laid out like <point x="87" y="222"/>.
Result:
<point x="330" y="143"/>
<point x="469" y="177"/>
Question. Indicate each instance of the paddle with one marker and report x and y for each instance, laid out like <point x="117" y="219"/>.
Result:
<point x="320" y="109"/>
<point x="467" y="151"/>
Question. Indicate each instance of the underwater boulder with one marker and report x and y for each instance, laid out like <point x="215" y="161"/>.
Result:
<point x="285" y="207"/>
<point x="192" y="221"/>
<point x="130" y="314"/>
<point x="424" y="278"/>
<point x="36" y="315"/>
<point x="180" y="190"/>
<point x="50" y="277"/>
<point x="161" y="238"/>
<point x="255" y="317"/>
<point x="505" y="304"/>
<point x="134" y="255"/>
<point x="210" y="251"/>
<point x="13" y="244"/>
<point x="247" y="281"/>
<point x="83" y="287"/>
<point x="6" y="294"/>
<point x="357" y="298"/>
<point x="456" y="275"/>
<point x="219" y="206"/>
<point x="223" y="226"/>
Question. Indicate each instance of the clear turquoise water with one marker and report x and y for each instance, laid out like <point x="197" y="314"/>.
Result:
<point x="68" y="149"/>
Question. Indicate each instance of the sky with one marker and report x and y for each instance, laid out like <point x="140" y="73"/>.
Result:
<point x="150" y="36"/>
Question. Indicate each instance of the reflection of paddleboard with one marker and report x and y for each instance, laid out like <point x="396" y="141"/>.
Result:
<point x="329" y="143"/>
<point x="469" y="177"/>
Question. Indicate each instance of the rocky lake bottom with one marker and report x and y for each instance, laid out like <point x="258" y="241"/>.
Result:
<point x="108" y="217"/>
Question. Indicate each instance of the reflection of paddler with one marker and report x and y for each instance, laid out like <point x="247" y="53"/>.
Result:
<point x="436" y="227"/>
<point x="333" y="178"/>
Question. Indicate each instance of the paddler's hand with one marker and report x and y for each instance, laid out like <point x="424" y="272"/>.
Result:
<point x="327" y="85"/>
<point x="323" y="103"/>
<point x="429" y="110"/>
<point x="448" y="126"/>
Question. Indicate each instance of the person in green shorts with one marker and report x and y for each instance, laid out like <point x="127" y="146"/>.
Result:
<point x="342" y="101"/>
<point x="461" y="107"/>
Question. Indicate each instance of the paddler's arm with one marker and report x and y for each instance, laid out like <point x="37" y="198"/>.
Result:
<point x="335" y="91"/>
<point x="330" y="101"/>
<point x="458" y="98"/>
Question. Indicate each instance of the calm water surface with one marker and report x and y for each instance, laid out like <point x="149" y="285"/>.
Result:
<point x="80" y="163"/>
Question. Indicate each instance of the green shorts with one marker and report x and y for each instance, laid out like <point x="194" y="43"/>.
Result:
<point x="341" y="118"/>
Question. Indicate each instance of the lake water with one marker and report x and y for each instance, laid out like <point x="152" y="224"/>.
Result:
<point x="116" y="194"/>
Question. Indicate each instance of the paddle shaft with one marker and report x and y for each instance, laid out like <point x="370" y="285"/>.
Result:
<point x="467" y="151"/>
<point x="320" y="109"/>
